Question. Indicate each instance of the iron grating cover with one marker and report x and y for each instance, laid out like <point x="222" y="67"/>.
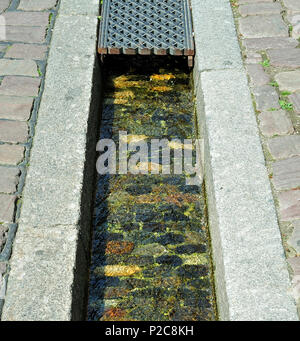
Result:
<point x="146" y="27"/>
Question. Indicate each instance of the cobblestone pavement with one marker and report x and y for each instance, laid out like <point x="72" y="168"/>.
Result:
<point x="269" y="34"/>
<point x="151" y="253"/>
<point x="25" y="32"/>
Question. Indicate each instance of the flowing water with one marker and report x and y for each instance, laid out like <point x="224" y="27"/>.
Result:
<point x="151" y="256"/>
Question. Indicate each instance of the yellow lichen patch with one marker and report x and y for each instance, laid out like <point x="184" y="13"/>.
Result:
<point x="195" y="259"/>
<point x="124" y="82"/>
<point x="161" y="88"/>
<point x="124" y="94"/>
<point x="132" y="138"/>
<point x="179" y="145"/>
<point x="121" y="270"/>
<point x="115" y="101"/>
<point x="165" y="77"/>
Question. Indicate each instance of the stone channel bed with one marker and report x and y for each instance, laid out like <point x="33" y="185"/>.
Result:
<point x="151" y="253"/>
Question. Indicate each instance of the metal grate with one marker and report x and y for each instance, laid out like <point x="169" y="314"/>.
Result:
<point x="145" y="27"/>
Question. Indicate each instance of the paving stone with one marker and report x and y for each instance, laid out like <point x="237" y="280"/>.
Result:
<point x="260" y="44"/>
<point x="36" y="5"/>
<point x="8" y="179"/>
<point x="294" y="19"/>
<point x="253" y="58"/>
<point x="275" y="123"/>
<point x="260" y="9"/>
<point x="283" y="147"/>
<point x="27" y="51"/>
<point x="7" y="207"/>
<point x="18" y="67"/>
<point x="15" y="108"/>
<point x="294" y="240"/>
<point x="296" y="31"/>
<point x="257" y="75"/>
<point x="286" y="174"/>
<point x="13" y="131"/>
<point x="266" y="97"/>
<point x="25" y="34"/>
<point x="288" y="81"/>
<point x="241" y="2"/>
<point x="293" y="6"/>
<point x="20" y="86"/>
<point x="26" y="19"/>
<point x="270" y="26"/>
<point x="4" y="5"/>
<point x="11" y="154"/>
<point x="295" y="99"/>
<point x="295" y="264"/>
<point x="284" y="57"/>
<point x="289" y="204"/>
<point x="2" y="266"/>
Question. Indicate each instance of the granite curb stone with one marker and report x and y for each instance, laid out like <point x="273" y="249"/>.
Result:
<point x="247" y="247"/>
<point x="54" y="228"/>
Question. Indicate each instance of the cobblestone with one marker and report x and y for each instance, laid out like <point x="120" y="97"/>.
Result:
<point x="293" y="6"/>
<point x="289" y="58"/>
<point x="8" y="179"/>
<point x="257" y="75"/>
<point x="26" y="51"/>
<point x="284" y="147"/>
<point x="15" y="108"/>
<point x="20" y="86"/>
<point x="296" y="31"/>
<point x="4" y="5"/>
<point x="288" y="81"/>
<point x="261" y="44"/>
<point x="294" y="19"/>
<point x="295" y="265"/>
<point x="270" y="26"/>
<point x="286" y="174"/>
<point x="13" y="131"/>
<point x="25" y="34"/>
<point x="295" y="100"/>
<point x="11" y="154"/>
<point x="266" y="98"/>
<point x="275" y="123"/>
<point x="253" y="58"/>
<point x="259" y="8"/>
<point x="289" y="203"/>
<point x="7" y="207"/>
<point x="242" y="2"/>
<point x="294" y="240"/>
<point x="36" y="5"/>
<point x="18" y="67"/>
<point x="26" y="19"/>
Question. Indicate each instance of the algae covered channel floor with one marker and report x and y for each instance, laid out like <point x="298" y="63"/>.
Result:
<point x="151" y="257"/>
